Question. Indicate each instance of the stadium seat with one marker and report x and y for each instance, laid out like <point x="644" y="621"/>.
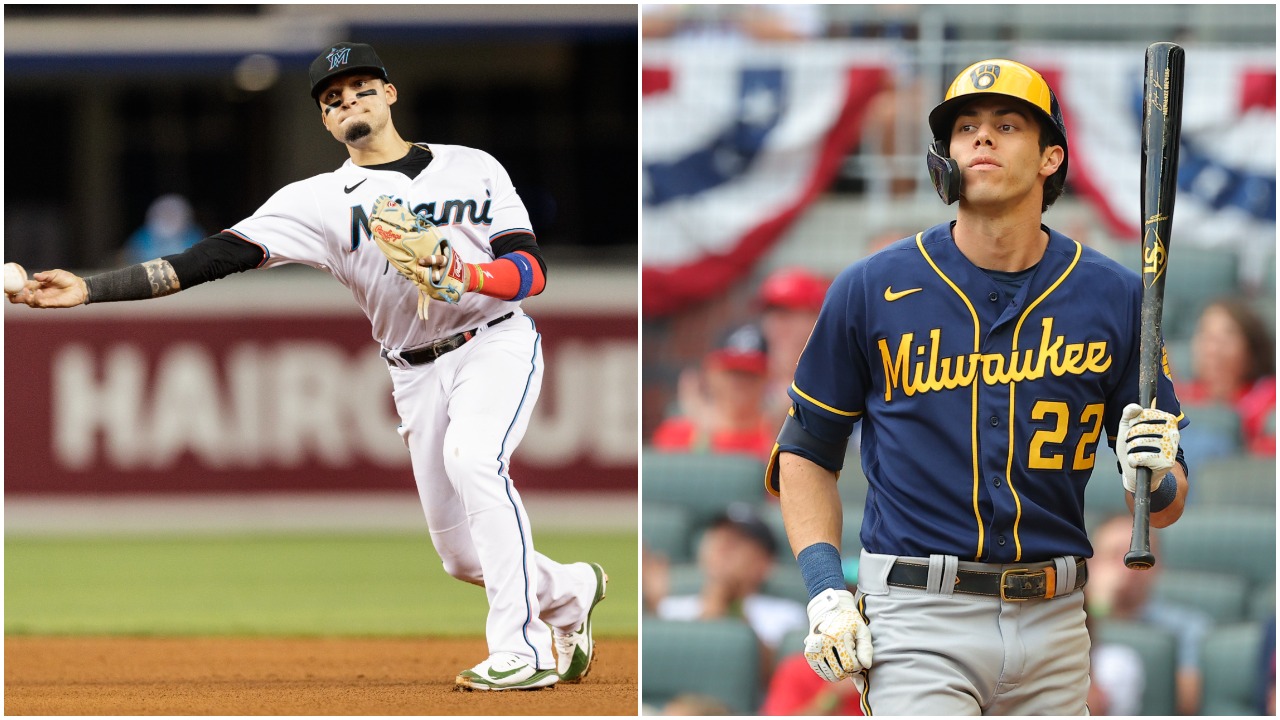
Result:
<point x="1220" y="596"/>
<point x="1157" y="647"/>
<point x="792" y="643"/>
<point x="771" y="514"/>
<point x="684" y="579"/>
<point x="1238" y="540"/>
<point x="850" y="545"/>
<point x="667" y="530"/>
<point x="1268" y="287"/>
<point x="1214" y="433"/>
<point x="1241" y="480"/>
<point x="705" y="484"/>
<point x="786" y="582"/>
<point x="1104" y="494"/>
<point x="718" y="658"/>
<point x="1199" y="276"/>
<point x="1230" y="663"/>
<point x="1262" y="603"/>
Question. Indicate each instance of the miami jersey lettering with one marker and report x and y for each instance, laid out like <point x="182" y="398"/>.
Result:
<point x="323" y="222"/>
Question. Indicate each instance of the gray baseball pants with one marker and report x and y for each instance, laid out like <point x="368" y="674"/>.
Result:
<point x="942" y="653"/>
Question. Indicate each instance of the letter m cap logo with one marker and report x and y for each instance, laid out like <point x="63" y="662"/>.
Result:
<point x="338" y="56"/>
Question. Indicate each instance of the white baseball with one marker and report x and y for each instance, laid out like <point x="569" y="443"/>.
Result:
<point x="14" y="278"/>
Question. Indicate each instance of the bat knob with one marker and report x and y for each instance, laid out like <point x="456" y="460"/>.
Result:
<point x="1139" y="560"/>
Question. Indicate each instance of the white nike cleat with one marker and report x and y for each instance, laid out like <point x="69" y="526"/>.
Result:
<point x="575" y="649"/>
<point x="505" y="671"/>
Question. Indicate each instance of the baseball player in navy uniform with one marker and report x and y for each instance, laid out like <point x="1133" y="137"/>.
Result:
<point x="465" y="375"/>
<point x="984" y="360"/>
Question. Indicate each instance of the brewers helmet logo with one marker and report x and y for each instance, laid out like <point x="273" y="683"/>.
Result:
<point x="984" y="76"/>
<point x="338" y="56"/>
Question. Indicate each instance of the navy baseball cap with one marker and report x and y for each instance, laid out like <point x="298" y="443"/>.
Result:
<point x="343" y="58"/>
<point x="743" y="349"/>
<point x="742" y="517"/>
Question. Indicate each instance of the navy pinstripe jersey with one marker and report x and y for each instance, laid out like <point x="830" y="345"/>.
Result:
<point x="980" y="416"/>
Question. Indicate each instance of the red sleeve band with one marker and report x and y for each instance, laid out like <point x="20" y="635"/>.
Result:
<point x="506" y="277"/>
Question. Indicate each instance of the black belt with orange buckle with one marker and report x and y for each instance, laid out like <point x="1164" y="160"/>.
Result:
<point x="431" y="353"/>
<point x="1033" y="582"/>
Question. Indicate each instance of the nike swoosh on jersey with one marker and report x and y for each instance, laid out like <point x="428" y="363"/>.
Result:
<point x="348" y="190"/>
<point x="890" y="295"/>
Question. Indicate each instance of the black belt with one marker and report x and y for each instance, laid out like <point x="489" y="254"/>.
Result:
<point x="1032" y="582"/>
<point x="431" y="353"/>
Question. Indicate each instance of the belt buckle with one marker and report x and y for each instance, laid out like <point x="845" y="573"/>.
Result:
<point x="1004" y="575"/>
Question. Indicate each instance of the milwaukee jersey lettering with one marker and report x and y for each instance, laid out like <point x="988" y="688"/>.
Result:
<point x="980" y="415"/>
<point x="323" y="222"/>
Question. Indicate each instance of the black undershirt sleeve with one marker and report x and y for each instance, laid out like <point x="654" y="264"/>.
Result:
<point x="214" y="257"/>
<point x="508" y="244"/>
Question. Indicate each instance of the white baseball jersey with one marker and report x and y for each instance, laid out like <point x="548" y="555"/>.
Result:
<point x="323" y="222"/>
<point x="463" y="415"/>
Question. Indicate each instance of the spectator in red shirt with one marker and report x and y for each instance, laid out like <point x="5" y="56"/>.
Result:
<point x="1233" y="362"/>
<point x="789" y="299"/>
<point x="796" y="689"/>
<point x="723" y="411"/>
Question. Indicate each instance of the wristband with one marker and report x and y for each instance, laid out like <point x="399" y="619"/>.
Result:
<point x="821" y="569"/>
<point x="476" y="278"/>
<point x="127" y="283"/>
<point x="526" y="274"/>
<point x="1164" y="495"/>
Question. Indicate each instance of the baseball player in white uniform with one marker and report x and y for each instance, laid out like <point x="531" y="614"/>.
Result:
<point x="465" y="379"/>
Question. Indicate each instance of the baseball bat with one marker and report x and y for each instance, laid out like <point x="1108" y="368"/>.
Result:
<point x="1161" y="133"/>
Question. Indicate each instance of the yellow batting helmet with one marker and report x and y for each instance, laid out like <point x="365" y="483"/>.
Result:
<point x="992" y="77"/>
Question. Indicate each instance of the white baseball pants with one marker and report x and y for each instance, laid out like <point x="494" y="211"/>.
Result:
<point x="462" y="418"/>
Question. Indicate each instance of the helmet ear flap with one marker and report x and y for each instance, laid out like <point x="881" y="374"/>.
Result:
<point x="944" y="172"/>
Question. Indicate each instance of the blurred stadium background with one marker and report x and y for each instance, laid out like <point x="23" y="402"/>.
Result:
<point x="778" y="136"/>
<point x="244" y="431"/>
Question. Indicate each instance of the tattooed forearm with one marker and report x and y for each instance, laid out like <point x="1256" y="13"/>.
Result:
<point x="164" y="281"/>
<point x="154" y="278"/>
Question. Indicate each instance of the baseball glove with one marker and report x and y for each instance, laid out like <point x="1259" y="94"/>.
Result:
<point x="405" y="239"/>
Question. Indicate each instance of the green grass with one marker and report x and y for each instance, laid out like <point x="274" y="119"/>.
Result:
<point x="354" y="585"/>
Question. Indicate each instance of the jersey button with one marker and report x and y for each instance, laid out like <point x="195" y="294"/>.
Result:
<point x="1000" y="540"/>
<point x="993" y="297"/>
<point x="995" y="421"/>
<point x="996" y="481"/>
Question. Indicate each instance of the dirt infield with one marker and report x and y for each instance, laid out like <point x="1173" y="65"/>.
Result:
<point x="272" y="676"/>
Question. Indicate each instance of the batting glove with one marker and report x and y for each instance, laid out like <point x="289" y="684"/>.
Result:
<point x="1147" y="438"/>
<point x="839" y="642"/>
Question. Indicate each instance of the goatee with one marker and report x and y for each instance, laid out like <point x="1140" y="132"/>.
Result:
<point x="357" y="131"/>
